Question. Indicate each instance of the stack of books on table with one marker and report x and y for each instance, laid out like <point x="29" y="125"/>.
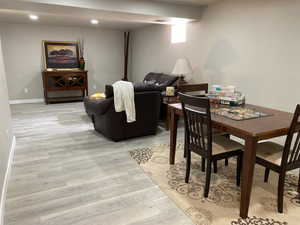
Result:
<point x="226" y="95"/>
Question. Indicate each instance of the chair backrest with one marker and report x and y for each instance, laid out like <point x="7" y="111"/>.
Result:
<point x="197" y="120"/>
<point x="193" y="87"/>
<point x="291" y="153"/>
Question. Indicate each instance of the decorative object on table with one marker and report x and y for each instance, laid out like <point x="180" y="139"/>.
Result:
<point x="81" y="53"/>
<point x="98" y="96"/>
<point x="238" y="113"/>
<point x="82" y="63"/>
<point x="61" y="55"/>
<point x="126" y="54"/>
<point x="170" y="91"/>
<point x="227" y="95"/>
<point x="182" y="68"/>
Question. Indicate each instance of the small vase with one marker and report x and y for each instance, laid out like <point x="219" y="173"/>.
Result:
<point x="81" y="63"/>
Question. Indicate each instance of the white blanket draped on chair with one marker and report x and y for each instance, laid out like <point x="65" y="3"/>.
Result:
<point x="124" y="99"/>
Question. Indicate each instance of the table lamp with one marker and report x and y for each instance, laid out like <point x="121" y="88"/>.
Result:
<point x="183" y="69"/>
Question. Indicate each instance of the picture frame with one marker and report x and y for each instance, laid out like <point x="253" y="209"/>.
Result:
<point x="61" y="55"/>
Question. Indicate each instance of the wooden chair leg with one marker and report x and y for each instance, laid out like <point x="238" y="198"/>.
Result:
<point x="280" y="192"/>
<point x="299" y="183"/>
<point x="267" y="172"/>
<point x="215" y="163"/>
<point x="203" y="164"/>
<point x="226" y="162"/>
<point x="208" y="175"/>
<point x="188" y="167"/>
<point x="185" y="145"/>
<point x="238" y="170"/>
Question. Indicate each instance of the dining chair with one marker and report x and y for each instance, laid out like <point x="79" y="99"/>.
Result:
<point x="215" y="133"/>
<point x="282" y="159"/>
<point x="199" y="138"/>
<point x="203" y="87"/>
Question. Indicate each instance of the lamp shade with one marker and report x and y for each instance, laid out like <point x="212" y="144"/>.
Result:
<point x="182" y="67"/>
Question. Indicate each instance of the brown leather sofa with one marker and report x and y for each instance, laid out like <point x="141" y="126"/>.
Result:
<point x="114" y="125"/>
<point x="159" y="82"/>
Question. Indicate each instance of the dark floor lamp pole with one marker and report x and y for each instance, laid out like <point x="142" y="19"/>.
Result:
<point x="126" y="53"/>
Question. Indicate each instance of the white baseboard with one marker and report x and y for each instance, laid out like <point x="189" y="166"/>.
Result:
<point x="6" y="178"/>
<point x="26" y="101"/>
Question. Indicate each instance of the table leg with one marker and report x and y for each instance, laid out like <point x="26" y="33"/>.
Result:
<point x="247" y="175"/>
<point x="168" y="119"/>
<point x="46" y="97"/>
<point x="173" y="134"/>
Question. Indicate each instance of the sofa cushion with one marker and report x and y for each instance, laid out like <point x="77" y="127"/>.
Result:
<point x="138" y="87"/>
<point x="141" y="87"/>
<point x="160" y="79"/>
<point x="150" y="82"/>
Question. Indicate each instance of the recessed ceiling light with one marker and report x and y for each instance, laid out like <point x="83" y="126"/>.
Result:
<point x="33" y="17"/>
<point x="94" y="21"/>
<point x="161" y="21"/>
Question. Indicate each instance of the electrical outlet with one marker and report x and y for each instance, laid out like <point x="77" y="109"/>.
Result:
<point x="94" y="86"/>
<point x="7" y="133"/>
<point x="26" y="90"/>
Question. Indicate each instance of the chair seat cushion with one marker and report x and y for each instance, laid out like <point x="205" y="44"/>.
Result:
<point x="222" y="144"/>
<point x="270" y="151"/>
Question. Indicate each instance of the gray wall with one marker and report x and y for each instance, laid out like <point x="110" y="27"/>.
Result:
<point x="22" y="47"/>
<point x="5" y="124"/>
<point x="253" y="44"/>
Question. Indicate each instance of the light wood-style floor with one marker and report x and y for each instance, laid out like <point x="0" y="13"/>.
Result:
<point x="64" y="173"/>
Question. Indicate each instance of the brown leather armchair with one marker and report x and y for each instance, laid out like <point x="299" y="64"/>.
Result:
<point x="113" y="124"/>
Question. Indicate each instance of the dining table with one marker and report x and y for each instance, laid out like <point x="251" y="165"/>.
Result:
<point x="252" y="131"/>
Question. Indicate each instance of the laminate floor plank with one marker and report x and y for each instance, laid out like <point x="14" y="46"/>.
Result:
<point x="65" y="173"/>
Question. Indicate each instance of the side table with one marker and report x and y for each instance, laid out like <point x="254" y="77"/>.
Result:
<point x="169" y="100"/>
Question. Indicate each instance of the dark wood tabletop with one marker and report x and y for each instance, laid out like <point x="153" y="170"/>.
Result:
<point x="277" y="124"/>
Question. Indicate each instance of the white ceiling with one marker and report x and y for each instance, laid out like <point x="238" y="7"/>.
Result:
<point x="115" y="14"/>
<point x="187" y="2"/>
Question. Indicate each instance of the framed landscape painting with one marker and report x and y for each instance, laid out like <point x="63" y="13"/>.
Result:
<point x="61" y="55"/>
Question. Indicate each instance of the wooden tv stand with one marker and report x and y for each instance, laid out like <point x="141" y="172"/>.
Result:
<point x="65" y="80"/>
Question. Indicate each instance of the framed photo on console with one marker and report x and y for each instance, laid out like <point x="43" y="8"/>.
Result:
<point x="61" y="55"/>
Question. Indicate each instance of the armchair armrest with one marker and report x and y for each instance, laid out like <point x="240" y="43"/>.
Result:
<point x="98" y="106"/>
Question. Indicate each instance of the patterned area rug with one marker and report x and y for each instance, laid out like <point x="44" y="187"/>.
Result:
<point x="222" y="205"/>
